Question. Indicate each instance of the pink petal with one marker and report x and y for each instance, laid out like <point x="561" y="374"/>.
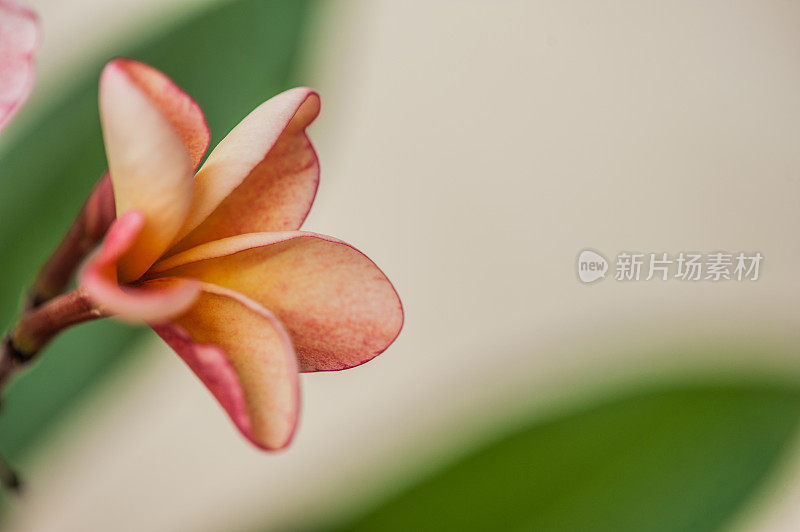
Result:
<point x="180" y="109"/>
<point x="244" y="356"/>
<point x="150" y="166"/>
<point x="19" y="39"/>
<point x="262" y="177"/>
<point x="339" y="307"/>
<point x="212" y="366"/>
<point x="158" y="302"/>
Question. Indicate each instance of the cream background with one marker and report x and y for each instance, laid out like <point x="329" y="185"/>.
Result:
<point x="472" y="149"/>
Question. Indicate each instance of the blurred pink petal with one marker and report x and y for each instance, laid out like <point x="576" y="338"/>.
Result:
<point x="19" y="39"/>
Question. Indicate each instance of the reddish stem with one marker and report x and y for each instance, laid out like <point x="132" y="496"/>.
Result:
<point x="86" y="232"/>
<point x="38" y="326"/>
<point x="47" y="312"/>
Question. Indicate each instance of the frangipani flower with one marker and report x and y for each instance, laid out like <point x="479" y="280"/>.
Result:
<point x="19" y="39"/>
<point x="215" y="263"/>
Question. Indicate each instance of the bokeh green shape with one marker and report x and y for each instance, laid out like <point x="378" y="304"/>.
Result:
<point x="669" y="458"/>
<point x="230" y="58"/>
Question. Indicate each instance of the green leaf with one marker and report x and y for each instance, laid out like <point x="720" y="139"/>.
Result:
<point x="230" y="58"/>
<point x="680" y="458"/>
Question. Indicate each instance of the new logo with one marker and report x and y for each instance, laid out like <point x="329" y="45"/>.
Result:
<point x="591" y="266"/>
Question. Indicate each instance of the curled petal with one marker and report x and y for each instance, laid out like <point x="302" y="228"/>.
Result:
<point x="157" y="302"/>
<point x="180" y="109"/>
<point x="19" y="39"/>
<point x="262" y="177"/>
<point x="338" y="306"/>
<point x="244" y="356"/>
<point x="150" y="166"/>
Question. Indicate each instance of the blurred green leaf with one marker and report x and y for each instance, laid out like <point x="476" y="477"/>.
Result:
<point x="230" y="58"/>
<point x="682" y="458"/>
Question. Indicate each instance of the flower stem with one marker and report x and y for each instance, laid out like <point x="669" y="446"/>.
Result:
<point x="39" y="325"/>
<point x="48" y="310"/>
<point x="33" y="331"/>
<point x="85" y="233"/>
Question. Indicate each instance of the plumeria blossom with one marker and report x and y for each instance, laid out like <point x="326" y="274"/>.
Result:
<point x="213" y="260"/>
<point x="19" y="39"/>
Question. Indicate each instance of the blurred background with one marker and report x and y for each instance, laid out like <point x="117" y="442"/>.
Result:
<point x="472" y="148"/>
